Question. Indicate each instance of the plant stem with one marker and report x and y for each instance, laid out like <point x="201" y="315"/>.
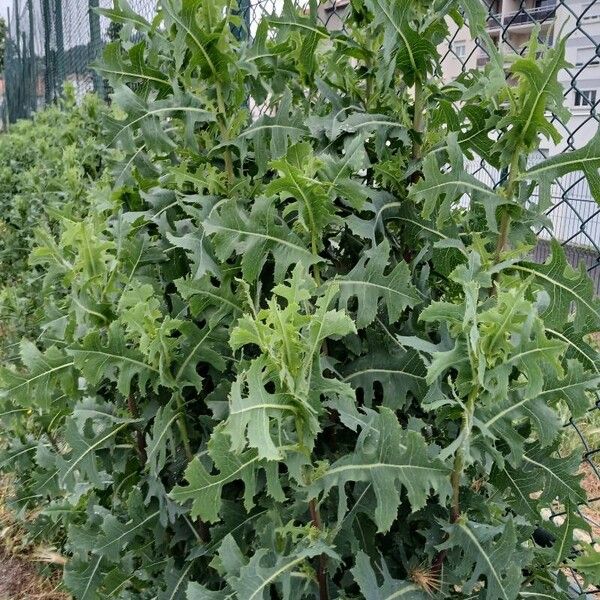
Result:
<point x="224" y="134"/>
<point x="181" y="423"/>
<point x="315" y="252"/>
<point x="201" y="526"/>
<point x="503" y="236"/>
<point x="418" y="119"/>
<point x="322" y="568"/>
<point x="459" y="457"/>
<point x="317" y="274"/>
<point x="418" y="107"/>
<point x="459" y="462"/>
<point x="368" y="83"/>
<point x="457" y="471"/>
<point x="513" y="174"/>
<point x="141" y="442"/>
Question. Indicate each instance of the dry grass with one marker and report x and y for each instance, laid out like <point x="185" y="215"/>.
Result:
<point x="595" y="340"/>
<point x="19" y="580"/>
<point x="19" y="575"/>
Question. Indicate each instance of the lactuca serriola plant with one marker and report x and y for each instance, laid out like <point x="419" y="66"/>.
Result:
<point x="301" y="351"/>
<point x="46" y="166"/>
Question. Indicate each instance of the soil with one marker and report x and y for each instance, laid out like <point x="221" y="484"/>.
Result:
<point x="591" y="484"/>
<point x="19" y="580"/>
<point x="20" y="577"/>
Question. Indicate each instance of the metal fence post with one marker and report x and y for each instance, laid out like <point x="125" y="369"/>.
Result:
<point x="246" y="9"/>
<point x="95" y="44"/>
<point x="7" y="71"/>
<point x="25" y="75"/>
<point x="19" y="98"/>
<point x="17" y="22"/>
<point x="60" y="44"/>
<point x="48" y="72"/>
<point x="32" y="59"/>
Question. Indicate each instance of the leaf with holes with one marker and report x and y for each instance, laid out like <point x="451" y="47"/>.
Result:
<point x="393" y="460"/>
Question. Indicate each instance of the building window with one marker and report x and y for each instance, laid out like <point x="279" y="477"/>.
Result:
<point x="585" y="97"/>
<point x="587" y="56"/>
<point x="590" y="12"/>
<point x="460" y="49"/>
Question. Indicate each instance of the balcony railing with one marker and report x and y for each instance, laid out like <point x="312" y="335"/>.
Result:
<point x="525" y="16"/>
<point x="494" y="21"/>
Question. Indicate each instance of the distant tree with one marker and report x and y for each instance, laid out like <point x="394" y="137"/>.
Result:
<point x="2" y="42"/>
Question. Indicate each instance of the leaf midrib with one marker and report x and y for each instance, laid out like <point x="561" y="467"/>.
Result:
<point x="373" y="466"/>
<point x="485" y="556"/>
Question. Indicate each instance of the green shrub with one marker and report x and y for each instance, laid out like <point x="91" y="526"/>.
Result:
<point x="287" y="362"/>
<point x="46" y="165"/>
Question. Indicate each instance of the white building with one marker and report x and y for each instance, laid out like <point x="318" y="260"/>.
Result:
<point x="581" y="22"/>
<point x="510" y="25"/>
<point x="333" y="12"/>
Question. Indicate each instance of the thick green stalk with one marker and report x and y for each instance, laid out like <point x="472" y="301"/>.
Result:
<point x="459" y="458"/>
<point x="181" y="423"/>
<point x="322" y="568"/>
<point x="511" y="185"/>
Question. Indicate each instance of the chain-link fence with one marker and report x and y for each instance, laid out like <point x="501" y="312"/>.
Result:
<point x="50" y="42"/>
<point x="574" y="214"/>
<point x="53" y="41"/>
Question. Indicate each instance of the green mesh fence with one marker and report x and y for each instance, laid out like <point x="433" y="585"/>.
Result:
<point x="50" y="42"/>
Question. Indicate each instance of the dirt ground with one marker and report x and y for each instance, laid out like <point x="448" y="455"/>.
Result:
<point x="19" y="572"/>
<point x="19" y="580"/>
<point x="591" y="484"/>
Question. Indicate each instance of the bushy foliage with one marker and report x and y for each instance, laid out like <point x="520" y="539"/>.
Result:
<point x="280" y="357"/>
<point x="46" y="166"/>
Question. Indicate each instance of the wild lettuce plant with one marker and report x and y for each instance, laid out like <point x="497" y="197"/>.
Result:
<point x="46" y="165"/>
<point x="298" y="350"/>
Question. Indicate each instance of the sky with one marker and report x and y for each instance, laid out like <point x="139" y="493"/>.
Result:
<point x="4" y="4"/>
